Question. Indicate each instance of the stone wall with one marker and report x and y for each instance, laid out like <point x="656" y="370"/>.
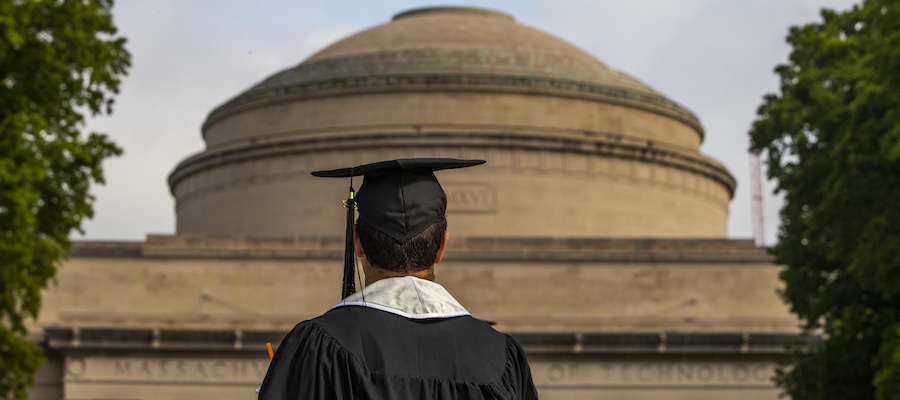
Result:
<point x="187" y="317"/>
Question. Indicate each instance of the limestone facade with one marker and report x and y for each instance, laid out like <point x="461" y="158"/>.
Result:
<point x="187" y="317"/>
<point x="595" y="233"/>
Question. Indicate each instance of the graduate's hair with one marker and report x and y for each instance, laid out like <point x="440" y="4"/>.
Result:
<point x="416" y="254"/>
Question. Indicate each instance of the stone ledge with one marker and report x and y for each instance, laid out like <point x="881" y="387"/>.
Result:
<point x="465" y="249"/>
<point x="615" y="343"/>
<point x="106" y="249"/>
<point x="681" y="343"/>
<point x="547" y="86"/>
<point x="103" y="338"/>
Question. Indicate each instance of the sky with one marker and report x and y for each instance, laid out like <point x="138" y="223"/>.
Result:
<point x="715" y="57"/>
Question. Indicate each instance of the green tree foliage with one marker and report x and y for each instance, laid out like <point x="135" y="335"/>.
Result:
<point x="832" y="139"/>
<point x="59" y="59"/>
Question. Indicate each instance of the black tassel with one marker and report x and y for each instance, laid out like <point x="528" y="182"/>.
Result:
<point x="349" y="285"/>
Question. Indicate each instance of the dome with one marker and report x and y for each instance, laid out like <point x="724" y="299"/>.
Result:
<point x="462" y="48"/>
<point x="574" y="148"/>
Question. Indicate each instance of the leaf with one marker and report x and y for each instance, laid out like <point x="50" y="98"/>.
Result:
<point x="831" y="137"/>
<point x="58" y="58"/>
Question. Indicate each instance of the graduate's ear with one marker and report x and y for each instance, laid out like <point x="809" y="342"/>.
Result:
<point x="440" y="253"/>
<point x="357" y="247"/>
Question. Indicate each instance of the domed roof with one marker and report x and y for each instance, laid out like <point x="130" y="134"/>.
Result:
<point x="456" y="48"/>
<point x="574" y="148"/>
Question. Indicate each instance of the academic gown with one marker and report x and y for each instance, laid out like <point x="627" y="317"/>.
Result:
<point x="400" y="338"/>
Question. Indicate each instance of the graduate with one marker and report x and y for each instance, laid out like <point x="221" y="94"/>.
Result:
<point x="402" y="336"/>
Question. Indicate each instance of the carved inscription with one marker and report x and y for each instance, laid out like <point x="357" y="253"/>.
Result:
<point x="650" y="374"/>
<point x="132" y="369"/>
<point x="234" y="370"/>
<point x="470" y="198"/>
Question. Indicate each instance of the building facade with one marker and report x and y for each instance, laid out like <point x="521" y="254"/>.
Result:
<point x="595" y="234"/>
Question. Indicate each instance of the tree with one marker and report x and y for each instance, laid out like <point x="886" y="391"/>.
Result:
<point x="832" y="141"/>
<point x="59" y="59"/>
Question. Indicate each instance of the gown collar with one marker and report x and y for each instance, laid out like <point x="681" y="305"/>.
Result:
<point x="407" y="296"/>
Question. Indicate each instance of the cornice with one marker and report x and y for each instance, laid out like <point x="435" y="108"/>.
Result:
<point x="531" y="85"/>
<point x="564" y="343"/>
<point x="525" y="251"/>
<point x="589" y="143"/>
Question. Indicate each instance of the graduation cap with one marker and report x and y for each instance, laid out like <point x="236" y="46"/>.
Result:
<point x="400" y="198"/>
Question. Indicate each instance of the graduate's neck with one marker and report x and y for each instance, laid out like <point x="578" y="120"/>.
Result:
<point x="375" y="274"/>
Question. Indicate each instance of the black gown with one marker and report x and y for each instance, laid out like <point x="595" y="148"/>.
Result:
<point x="357" y="352"/>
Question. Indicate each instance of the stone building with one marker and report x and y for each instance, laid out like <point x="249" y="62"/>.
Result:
<point x="596" y="233"/>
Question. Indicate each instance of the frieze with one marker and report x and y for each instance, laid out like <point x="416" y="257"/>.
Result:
<point x="653" y="374"/>
<point x="559" y="374"/>
<point x="595" y="157"/>
<point x="165" y="369"/>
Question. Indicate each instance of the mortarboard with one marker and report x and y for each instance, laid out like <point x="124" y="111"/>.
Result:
<point x="400" y="198"/>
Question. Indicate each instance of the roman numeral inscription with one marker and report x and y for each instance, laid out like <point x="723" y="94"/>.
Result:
<point x="470" y="198"/>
